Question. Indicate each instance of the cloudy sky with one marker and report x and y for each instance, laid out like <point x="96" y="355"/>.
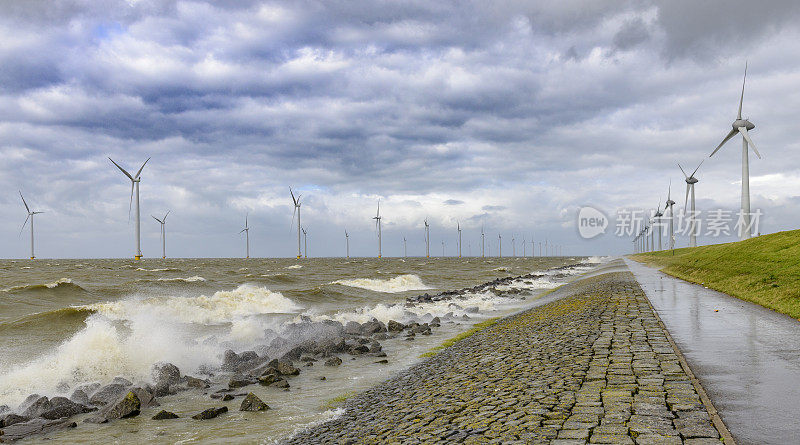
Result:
<point x="509" y="115"/>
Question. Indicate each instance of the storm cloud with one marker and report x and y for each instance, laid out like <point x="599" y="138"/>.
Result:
<point x="505" y="115"/>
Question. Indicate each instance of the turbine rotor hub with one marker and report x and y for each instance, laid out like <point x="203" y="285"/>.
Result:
<point x="692" y="180"/>
<point x="739" y="123"/>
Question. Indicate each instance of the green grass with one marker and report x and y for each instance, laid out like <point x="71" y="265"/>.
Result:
<point x="338" y="400"/>
<point x="450" y="341"/>
<point x="764" y="270"/>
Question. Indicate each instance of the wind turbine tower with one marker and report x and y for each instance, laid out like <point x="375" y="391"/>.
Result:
<point x="377" y="219"/>
<point x="669" y="205"/>
<point x="458" y="225"/>
<point x="30" y="216"/>
<point x="743" y="126"/>
<point x="690" y="182"/>
<point x="483" y="243"/>
<point x="427" y="239"/>
<point x="163" y="221"/>
<point x="500" y="245"/>
<point x="305" y="242"/>
<point x="297" y="211"/>
<point x="135" y="180"/>
<point x="246" y="231"/>
<point x="405" y="250"/>
<point x="347" y="243"/>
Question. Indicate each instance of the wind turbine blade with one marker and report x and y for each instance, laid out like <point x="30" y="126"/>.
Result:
<point x="130" y="203"/>
<point x="741" y="99"/>
<point x="157" y="219"/>
<point x="122" y="169"/>
<point x="293" y="213"/>
<point x="293" y="198"/>
<point x="23" y="224"/>
<point x="684" y="173"/>
<point x="727" y="138"/>
<point x="749" y="141"/>
<point x="685" y="201"/>
<point x="142" y="168"/>
<point x="23" y="201"/>
<point x="698" y="167"/>
<point x="165" y="216"/>
<point x="242" y="230"/>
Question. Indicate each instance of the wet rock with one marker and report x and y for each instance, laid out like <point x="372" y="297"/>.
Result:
<point x="121" y="381"/>
<point x="333" y="361"/>
<point x="395" y="326"/>
<point x="268" y="379"/>
<point x="358" y="350"/>
<point x="146" y="397"/>
<point x="252" y="403"/>
<point x="421" y="329"/>
<point x="34" y="407"/>
<point x="79" y="396"/>
<point x="163" y="372"/>
<point x="375" y="347"/>
<point x="380" y="336"/>
<point x="280" y="383"/>
<point x="107" y="394"/>
<point x="230" y="360"/>
<point x="239" y="381"/>
<point x="128" y="406"/>
<point x="210" y="413"/>
<point x="471" y="310"/>
<point x="307" y="359"/>
<point x="382" y="362"/>
<point x="61" y="407"/>
<point x="352" y="328"/>
<point x="436" y="322"/>
<point x="165" y="415"/>
<point x="248" y="355"/>
<point x="11" y="419"/>
<point x="286" y="368"/>
<point x="329" y="346"/>
<point x="227" y="397"/>
<point x="194" y="382"/>
<point x="372" y="327"/>
<point x="22" y="430"/>
<point x="322" y="378"/>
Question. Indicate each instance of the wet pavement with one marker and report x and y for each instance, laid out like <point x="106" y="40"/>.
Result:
<point x="747" y="357"/>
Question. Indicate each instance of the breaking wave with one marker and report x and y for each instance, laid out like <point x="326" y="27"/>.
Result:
<point x="62" y="284"/>
<point x="221" y="307"/>
<point x="400" y="283"/>
<point x="193" y="279"/>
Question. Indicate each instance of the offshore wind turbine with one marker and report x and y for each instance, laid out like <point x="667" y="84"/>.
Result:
<point x="305" y="242"/>
<point x="296" y="202"/>
<point x="246" y="231"/>
<point x="690" y="182"/>
<point x="669" y="205"/>
<point x="513" y="247"/>
<point x="377" y="219"/>
<point x="30" y="216"/>
<point x="743" y="126"/>
<point x="163" y="221"/>
<point x="500" y="245"/>
<point x="135" y="180"/>
<point x="443" y="249"/>
<point x="405" y="250"/>
<point x="427" y="239"/>
<point x="483" y="243"/>
<point x="658" y="216"/>
<point x="347" y="243"/>
<point x="523" y="247"/>
<point x="458" y="226"/>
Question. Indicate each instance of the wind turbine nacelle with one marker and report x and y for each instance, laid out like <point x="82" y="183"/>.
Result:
<point x="670" y="202"/>
<point x="739" y="123"/>
<point x="692" y="180"/>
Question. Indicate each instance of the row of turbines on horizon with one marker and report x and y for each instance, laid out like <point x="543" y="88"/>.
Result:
<point x="302" y="234"/>
<point x="645" y="240"/>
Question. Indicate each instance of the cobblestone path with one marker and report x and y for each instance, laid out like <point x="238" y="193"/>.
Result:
<point x="593" y="366"/>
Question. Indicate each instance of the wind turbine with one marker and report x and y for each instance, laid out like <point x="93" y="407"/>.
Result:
<point x="246" y="231"/>
<point x="297" y="211"/>
<point x="135" y="180"/>
<point x="427" y="239"/>
<point x="669" y="205"/>
<point x="483" y="243"/>
<point x="305" y="242"/>
<point x="513" y="247"/>
<point x="658" y="223"/>
<point x="500" y="245"/>
<point x="458" y="225"/>
<point x="523" y="247"/>
<point x="30" y="216"/>
<point x="690" y="182"/>
<point x="163" y="221"/>
<point x="377" y="219"/>
<point x="743" y="126"/>
<point x="347" y="243"/>
<point x="405" y="251"/>
<point x="443" y="249"/>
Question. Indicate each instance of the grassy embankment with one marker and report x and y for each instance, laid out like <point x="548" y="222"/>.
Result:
<point x="763" y="270"/>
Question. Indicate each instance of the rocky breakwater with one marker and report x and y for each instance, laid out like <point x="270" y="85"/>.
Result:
<point x="592" y="366"/>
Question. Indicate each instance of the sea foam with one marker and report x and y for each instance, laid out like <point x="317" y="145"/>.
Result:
<point x="401" y="283"/>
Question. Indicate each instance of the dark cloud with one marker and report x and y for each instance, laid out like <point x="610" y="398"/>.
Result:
<point x="632" y="33"/>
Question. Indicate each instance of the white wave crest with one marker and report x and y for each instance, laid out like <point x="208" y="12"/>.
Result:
<point x="58" y="283"/>
<point x="193" y="279"/>
<point x="296" y="266"/>
<point x="221" y="307"/>
<point x="400" y="283"/>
